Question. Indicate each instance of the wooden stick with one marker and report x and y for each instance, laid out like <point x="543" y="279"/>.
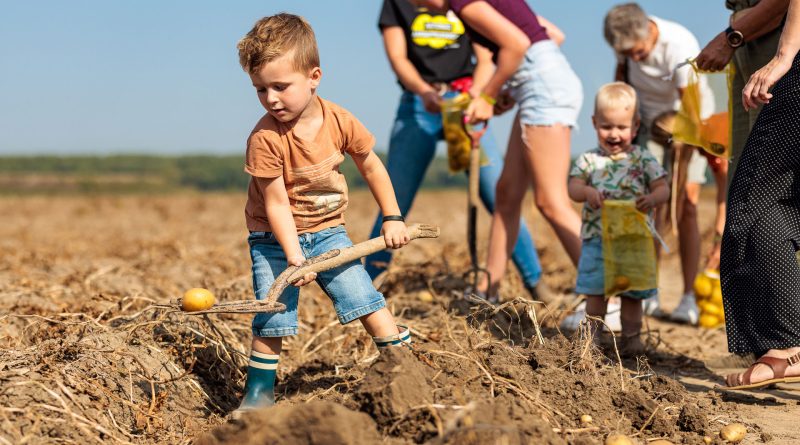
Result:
<point x="326" y="261"/>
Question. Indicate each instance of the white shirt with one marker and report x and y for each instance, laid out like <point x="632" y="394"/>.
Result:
<point x="675" y="45"/>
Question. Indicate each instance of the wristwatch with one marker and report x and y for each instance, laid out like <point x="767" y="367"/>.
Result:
<point x="735" y="38"/>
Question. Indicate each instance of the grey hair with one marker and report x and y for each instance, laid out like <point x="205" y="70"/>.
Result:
<point x="625" y="25"/>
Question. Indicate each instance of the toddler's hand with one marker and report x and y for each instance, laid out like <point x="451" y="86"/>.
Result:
<point x="593" y="197"/>
<point x="395" y="234"/>
<point x="645" y="203"/>
<point x="307" y="278"/>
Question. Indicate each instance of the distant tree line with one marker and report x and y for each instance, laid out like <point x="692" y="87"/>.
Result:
<point x="146" y="173"/>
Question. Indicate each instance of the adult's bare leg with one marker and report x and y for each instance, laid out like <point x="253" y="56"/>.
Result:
<point x="511" y="189"/>
<point x="547" y="151"/>
<point x="689" y="236"/>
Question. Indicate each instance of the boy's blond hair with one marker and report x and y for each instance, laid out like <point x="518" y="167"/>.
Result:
<point x="616" y="95"/>
<point x="274" y="36"/>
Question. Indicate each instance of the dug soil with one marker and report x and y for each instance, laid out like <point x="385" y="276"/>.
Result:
<point x="86" y="357"/>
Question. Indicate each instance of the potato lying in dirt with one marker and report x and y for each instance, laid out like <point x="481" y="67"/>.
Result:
<point x="660" y="442"/>
<point x="733" y="433"/>
<point x="619" y="439"/>
<point x="197" y="299"/>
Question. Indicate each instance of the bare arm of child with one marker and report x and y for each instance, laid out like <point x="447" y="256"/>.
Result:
<point x="395" y="233"/>
<point x="512" y="44"/>
<point x="394" y="42"/>
<point x="281" y="222"/>
<point x="579" y="191"/>
<point x="659" y="194"/>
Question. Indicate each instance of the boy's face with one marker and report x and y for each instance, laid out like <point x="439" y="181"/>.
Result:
<point x="616" y="128"/>
<point x="282" y="90"/>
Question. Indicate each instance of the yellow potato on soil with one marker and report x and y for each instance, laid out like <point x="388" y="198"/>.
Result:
<point x="197" y="299"/>
<point x="707" y="440"/>
<point x="703" y="286"/>
<point x="621" y="282"/>
<point x="586" y="419"/>
<point x="660" y="442"/>
<point x="425" y="296"/>
<point x="709" y="321"/>
<point x="619" y="439"/>
<point x="733" y="433"/>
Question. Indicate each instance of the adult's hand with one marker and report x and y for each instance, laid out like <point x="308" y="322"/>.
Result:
<point x="715" y="55"/>
<point x="431" y="101"/>
<point x="504" y="103"/>
<point x="756" y="92"/>
<point x="479" y="110"/>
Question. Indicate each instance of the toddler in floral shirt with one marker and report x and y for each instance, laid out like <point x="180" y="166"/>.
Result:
<point x="616" y="169"/>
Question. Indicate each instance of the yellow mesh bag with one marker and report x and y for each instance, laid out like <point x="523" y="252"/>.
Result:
<point x="629" y="254"/>
<point x="458" y="142"/>
<point x="711" y="134"/>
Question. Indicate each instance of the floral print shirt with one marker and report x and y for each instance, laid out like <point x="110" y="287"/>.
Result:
<point x="624" y="176"/>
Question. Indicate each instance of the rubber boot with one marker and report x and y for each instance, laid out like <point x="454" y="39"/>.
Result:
<point x="259" y="389"/>
<point x="401" y="339"/>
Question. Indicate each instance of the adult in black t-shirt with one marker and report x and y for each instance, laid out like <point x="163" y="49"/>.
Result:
<point x="433" y="59"/>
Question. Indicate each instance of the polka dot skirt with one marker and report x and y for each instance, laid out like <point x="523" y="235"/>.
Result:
<point x="759" y="270"/>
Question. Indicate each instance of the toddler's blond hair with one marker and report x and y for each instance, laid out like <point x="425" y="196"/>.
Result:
<point x="616" y="95"/>
<point x="274" y="36"/>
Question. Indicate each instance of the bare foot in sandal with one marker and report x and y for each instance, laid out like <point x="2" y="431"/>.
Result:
<point x="776" y="366"/>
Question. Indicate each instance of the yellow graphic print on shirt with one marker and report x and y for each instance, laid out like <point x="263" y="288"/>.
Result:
<point x="437" y="31"/>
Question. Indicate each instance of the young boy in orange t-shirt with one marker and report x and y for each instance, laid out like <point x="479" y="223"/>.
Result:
<point x="297" y="196"/>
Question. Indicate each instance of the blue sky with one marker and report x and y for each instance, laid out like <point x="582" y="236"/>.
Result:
<point x="162" y="77"/>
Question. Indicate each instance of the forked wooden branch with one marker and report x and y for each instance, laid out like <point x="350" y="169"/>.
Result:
<point x="292" y="274"/>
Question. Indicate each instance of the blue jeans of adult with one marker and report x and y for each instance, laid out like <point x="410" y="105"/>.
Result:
<point x="411" y="149"/>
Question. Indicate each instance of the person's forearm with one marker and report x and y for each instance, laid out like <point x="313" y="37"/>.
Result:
<point x="761" y="19"/>
<point x="576" y="191"/>
<point x="508" y="61"/>
<point x="379" y="183"/>
<point x="409" y="76"/>
<point x="790" y="38"/>
<point x="660" y="194"/>
<point x="281" y="222"/>
<point x="484" y="68"/>
<point x="553" y="32"/>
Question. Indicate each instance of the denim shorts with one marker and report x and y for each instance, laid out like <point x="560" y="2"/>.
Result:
<point x="591" y="272"/>
<point x="348" y="285"/>
<point x="545" y="87"/>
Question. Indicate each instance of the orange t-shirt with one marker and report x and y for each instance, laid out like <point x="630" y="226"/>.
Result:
<point x="317" y="190"/>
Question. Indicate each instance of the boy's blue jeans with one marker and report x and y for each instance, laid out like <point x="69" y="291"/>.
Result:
<point x="348" y="286"/>
<point x="411" y="149"/>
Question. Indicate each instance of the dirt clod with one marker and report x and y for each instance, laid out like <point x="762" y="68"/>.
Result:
<point x="313" y="423"/>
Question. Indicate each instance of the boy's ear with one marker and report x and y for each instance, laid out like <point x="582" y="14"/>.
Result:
<point x="637" y="121"/>
<point x="315" y="76"/>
